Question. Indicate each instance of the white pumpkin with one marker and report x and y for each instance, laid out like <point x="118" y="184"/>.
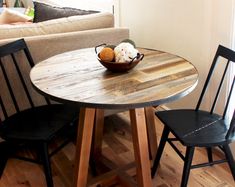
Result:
<point x="125" y="52"/>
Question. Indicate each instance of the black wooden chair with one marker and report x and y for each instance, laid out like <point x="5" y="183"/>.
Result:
<point x="35" y="126"/>
<point x="200" y="128"/>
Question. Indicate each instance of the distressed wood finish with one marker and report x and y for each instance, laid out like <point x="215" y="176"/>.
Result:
<point x="77" y="77"/>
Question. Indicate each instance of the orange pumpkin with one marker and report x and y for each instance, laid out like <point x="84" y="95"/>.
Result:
<point x="107" y="54"/>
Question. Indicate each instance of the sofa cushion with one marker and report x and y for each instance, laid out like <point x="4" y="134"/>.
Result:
<point x="44" y="12"/>
<point x="11" y="16"/>
<point x="61" y="25"/>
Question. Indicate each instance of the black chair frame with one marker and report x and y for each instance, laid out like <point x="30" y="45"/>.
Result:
<point x="14" y="142"/>
<point x="188" y="133"/>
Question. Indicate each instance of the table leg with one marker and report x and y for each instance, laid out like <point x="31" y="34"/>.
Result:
<point x="140" y="144"/>
<point x="98" y="133"/>
<point x="96" y="150"/>
<point x="83" y="146"/>
<point x="151" y="130"/>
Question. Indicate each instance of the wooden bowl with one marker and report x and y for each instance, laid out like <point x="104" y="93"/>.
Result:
<point x="120" y="66"/>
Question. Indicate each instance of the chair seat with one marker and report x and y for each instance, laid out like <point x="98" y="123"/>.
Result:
<point x="39" y="123"/>
<point x="196" y="128"/>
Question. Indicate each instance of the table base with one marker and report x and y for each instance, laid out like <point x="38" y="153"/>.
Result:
<point x="91" y="121"/>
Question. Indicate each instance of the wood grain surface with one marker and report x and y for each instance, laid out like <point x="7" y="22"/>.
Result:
<point x="78" y="76"/>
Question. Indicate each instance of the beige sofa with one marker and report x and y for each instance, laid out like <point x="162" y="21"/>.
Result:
<point x="52" y="37"/>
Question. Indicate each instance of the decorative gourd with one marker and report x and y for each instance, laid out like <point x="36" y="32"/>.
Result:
<point x="106" y="54"/>
<point x="125" y="52"/>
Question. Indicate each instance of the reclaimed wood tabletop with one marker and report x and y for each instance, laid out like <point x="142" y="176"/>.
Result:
<point x="77" y="76"/>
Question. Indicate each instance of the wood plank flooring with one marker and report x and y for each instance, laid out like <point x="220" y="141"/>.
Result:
<point x="117" y="146"/>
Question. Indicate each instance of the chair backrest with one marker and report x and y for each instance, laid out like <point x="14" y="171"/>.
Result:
<point x="229" y="56"/>
<point x="13" y="77"/>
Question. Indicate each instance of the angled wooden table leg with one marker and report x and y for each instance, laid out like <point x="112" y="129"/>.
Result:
<point x="140" y="144"/>
<point x="98" y="133"/>
<point x="151" y="130"/>
<point x="96" y="150"/>
<point x="83" y="146"/>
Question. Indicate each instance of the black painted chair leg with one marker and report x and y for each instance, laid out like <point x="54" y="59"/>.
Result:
<point x="162" y="144"/>
<point x="3" y="156"/>
<point x="209" y="154"/>
<point x="46" y="164"/>
<point x="230" y="159"/>
<point x="187" y="165"/>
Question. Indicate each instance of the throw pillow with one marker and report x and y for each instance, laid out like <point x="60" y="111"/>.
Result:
<point x="44" y="12"/>
<point x="10" y="16"/>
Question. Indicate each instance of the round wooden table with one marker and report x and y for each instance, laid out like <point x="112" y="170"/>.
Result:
<point x="77" y="77"/>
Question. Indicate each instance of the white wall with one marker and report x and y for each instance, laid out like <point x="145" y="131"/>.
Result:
<point x="192" y="29"/>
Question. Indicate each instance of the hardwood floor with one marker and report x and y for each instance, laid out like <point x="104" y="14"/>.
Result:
<point x="117" y="146"/>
